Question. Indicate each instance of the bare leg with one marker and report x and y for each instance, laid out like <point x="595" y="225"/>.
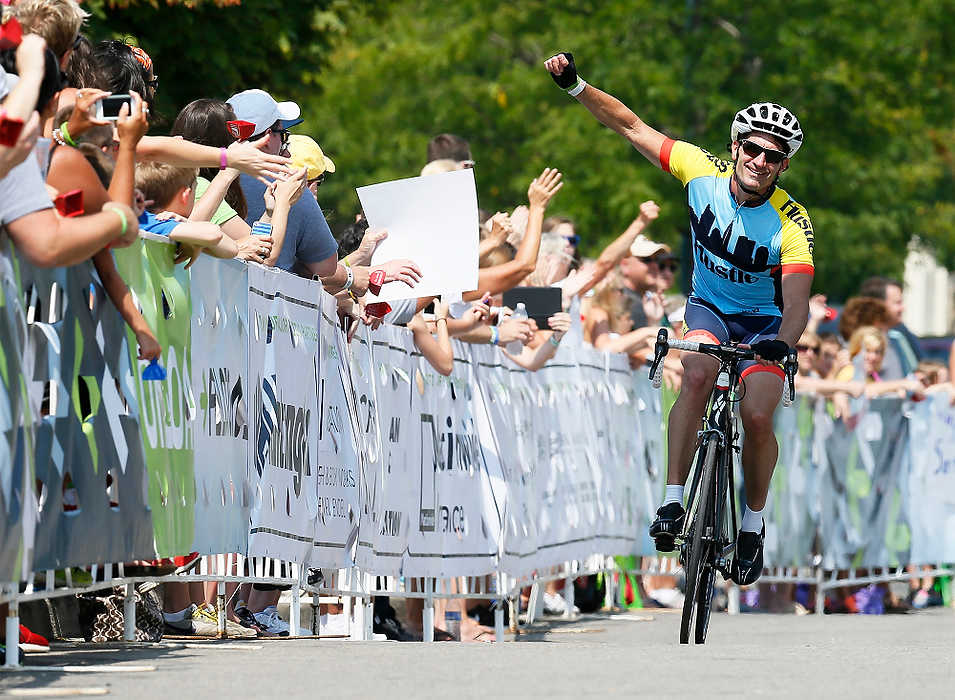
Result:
<point x="698" y="374"/>
<point x="763" y="391"/>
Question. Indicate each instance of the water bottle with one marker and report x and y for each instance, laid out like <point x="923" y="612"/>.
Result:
<point x="520" y="313"/>
<point x="452" y="623"/>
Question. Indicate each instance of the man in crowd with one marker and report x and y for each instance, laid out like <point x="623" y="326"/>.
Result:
<point x="905" y="343"/>
<point x="641" y="279"/>
<point x="450" y="147"/>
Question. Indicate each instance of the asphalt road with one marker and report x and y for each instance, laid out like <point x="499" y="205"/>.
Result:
<point x="623" y="654"/>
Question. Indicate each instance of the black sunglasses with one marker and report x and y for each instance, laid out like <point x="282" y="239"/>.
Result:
<point x="317" y="180"/>
<point x="671" y="266"/>
<point x="154" y="83"/>
<point x="286" y="134"/>
<point x="754" y="149"/>
<point x="807" y="348"/>
<point x="573" y="240"/>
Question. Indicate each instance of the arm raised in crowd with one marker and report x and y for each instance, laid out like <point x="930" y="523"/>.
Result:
<point x="437" y="352"/>
<point x="500" y="278"/>
<point x="281" y="195"/>
<point x="242" y="155"/>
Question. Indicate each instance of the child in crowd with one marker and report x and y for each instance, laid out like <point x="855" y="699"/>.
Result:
<point x="172" y="190"/>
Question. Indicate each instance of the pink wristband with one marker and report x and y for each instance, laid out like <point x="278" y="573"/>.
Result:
<point x="223" y="159"/>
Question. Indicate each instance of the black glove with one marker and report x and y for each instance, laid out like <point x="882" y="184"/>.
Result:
<point x="568" y="78"/>
<point x="772" y="350"/>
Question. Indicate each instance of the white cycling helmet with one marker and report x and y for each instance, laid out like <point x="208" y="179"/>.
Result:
<point x="769" y="118"/>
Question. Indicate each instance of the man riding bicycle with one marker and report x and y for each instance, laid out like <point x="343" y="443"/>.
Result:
<point x="752" y="250"/>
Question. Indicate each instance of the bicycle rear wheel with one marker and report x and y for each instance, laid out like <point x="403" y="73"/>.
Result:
<point x="699" y="573"/>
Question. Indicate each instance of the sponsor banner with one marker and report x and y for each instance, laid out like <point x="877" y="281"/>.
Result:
<point x="165" y="409"/>
<point x="283" y="440"/>
<point x="390" y="483"/>
<point x="338" y="465"/>
<point x="931" y="481"/>
<point x="451" y="534"/>
<point x="220" y="339"/>
<point x="17" y="517"/>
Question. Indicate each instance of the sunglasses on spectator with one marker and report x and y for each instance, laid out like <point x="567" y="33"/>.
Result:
<point x="671" y="266"/>
<point x="317" y="180"/>
<point x="154" y="83"/>
<point x="754" y="149"/>
<point x="286" y="135"/>
<point x="573" y="240"/>
<point x="807" y="348"/>
<point x="647" y="260"/>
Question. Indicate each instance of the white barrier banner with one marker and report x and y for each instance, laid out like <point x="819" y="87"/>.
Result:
<point x="220" y="339"/>
<point x="339" y="467"/>
<point x="931" y="482"/>
<point x="283" y="370"/>
<point x="452" y="535"/>
<point x="390" y="485"/>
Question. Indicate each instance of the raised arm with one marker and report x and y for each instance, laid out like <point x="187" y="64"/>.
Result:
<point x="608" y="110"/>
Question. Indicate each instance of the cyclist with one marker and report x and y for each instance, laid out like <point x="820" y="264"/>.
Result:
<point x="752" y="250"/>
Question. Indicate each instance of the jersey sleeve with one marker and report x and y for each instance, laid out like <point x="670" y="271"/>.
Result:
<point x="796" y="247"/>
<point x="685" y="161"/>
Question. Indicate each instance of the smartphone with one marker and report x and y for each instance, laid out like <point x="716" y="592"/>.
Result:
<point x="108" y="108"/>
<point x="10" y="129"/>
<point x="240" y="129"/>
<point x="69" y="203"/>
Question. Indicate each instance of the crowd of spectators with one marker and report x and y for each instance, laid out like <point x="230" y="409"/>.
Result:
<point x="256" y="198"/>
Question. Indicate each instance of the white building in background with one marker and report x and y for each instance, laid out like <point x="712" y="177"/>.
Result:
<point x="929" y="294"/>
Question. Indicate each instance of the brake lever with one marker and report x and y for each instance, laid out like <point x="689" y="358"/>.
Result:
<point x="659" y="352"/>
<point x="792" y="366"/>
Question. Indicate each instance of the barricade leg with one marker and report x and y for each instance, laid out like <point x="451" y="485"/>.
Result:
<point x="532" y="602"/>
<point x="13" y="628"/>
<point x="569" y="592"/>
<point x="129" y="613"/>
<point x="732" y="599"/>
<point x="295" y="611"/>
<point x="221" y="633"/>
<point x="820" y="593"/>
<point x="499" y="610"/>
<point x="427" y="614"/>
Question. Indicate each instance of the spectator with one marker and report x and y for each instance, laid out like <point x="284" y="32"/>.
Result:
<point x="26" y="210"/>
<point x="173" y="190"/>
<point x="450" y="147"/>
<point x="307" y="154"/>
<point x="57" y="21"/>
<point x="641" y="280"/>
<point x="905" y="343"/>
<point x="825" y="360"/>
<point x="869" y="311"/>
<point x="868" y="344"/>
<point x="607" y="326"/>
<point x="564" y="227"/>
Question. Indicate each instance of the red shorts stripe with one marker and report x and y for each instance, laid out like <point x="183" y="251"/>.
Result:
<point x="700" y="335"/>
<point x="665" y="154"/>
<point x="752" y="369"/>
<point x="804" y="268"/>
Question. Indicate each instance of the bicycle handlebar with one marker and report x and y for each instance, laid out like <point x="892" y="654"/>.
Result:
<point x="721" y="352"/>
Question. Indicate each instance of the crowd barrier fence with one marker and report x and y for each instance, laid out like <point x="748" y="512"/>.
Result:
<point x="273" y="438"/>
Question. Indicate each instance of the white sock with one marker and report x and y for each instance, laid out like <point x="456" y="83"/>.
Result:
<point x="752" y="521"/>
<point x="673" y="494"/>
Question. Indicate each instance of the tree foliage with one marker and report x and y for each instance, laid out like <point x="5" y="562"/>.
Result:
<point x="871" y="82"/>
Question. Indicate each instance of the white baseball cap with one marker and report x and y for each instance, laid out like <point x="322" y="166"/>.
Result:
<point x="260" y="108"/>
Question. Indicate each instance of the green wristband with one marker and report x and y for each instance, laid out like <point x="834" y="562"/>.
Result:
<point x="122" y="218"/>
<point x="65" y="133"/>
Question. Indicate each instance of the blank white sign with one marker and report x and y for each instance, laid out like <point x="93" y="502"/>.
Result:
<point x="432" y="220"/>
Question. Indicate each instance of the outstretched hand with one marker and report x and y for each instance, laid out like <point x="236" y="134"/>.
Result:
<point x="543" y="187"/>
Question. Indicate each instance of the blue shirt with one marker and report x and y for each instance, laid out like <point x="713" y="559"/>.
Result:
<point x="307" y="236"/>
<point x="149" y="222"/>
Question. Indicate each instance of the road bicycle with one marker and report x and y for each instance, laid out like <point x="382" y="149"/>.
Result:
<point x="706" y="543"/>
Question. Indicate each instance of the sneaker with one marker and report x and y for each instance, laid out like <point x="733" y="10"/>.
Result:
<point x="272" y="625"/>
<point x="554" y="604"/>
<point x="393" y="630"/>
<point x="31" y="641"/>
<point x="208" y="613"/>
<point x="191" y="625"/>
<point x="748" y="560"/>
<point x="668" y="524"/>
<point x="247" y="619"/>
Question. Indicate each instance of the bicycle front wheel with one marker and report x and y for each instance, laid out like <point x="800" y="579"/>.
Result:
<point x="699" y="572"/>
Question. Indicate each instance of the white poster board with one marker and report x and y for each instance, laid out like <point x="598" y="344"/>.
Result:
<point x="432" y="220"/>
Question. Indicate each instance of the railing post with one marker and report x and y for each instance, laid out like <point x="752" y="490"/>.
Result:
<point x="820" y="592"/>
<point x="732" y="599"/>
<point x="499" y="608"/>
<point x="222" y="632"/>
<point x="13" y="626"/>
<point x="129" y="613"/>
<point x="427" y="613"/>
<point x="569" y="591"/>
